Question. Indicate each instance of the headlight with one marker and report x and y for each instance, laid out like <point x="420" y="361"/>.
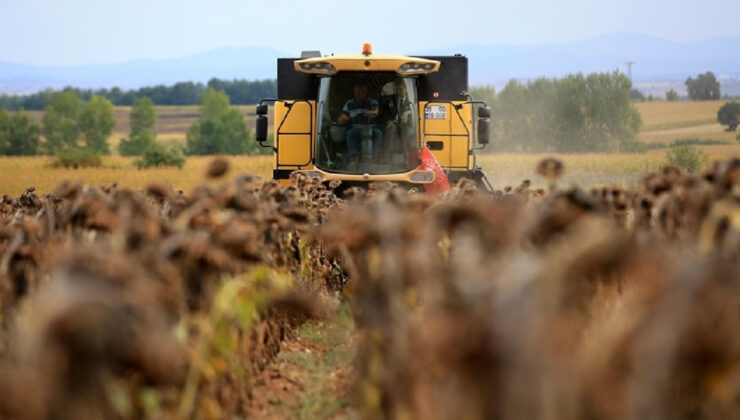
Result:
<point x="422" y="177"/>
<point x="415" y="68"/>
<point x="320" y="67"/>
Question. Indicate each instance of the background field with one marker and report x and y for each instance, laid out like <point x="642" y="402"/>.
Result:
<point x="17" y="174"/>
<point x="662" y="122"/>
<point x="587" y="170"/>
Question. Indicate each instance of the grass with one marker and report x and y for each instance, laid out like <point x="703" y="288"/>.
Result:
<point x="19" y="173"/>
<point x="660" y="115"/>
<point x="586" y="169"/>
<point x="316" y="364"/>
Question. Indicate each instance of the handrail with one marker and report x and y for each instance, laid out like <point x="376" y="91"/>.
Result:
<point x="278" y="133"/>
<point x="456" y="106"/>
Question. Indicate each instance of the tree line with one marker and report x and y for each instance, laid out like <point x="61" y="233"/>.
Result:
<point x="68" y="123"/>
<point x="582" y="113"/>
<point x="240" y="92"/>
<point x="705" y="87"/>
<point x="576" y="113"/>
<point x="77" y="131"/>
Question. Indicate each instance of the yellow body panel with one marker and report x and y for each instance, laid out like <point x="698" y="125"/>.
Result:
<point x="372" y="62"/>
<point x="295" y="131"/>
<point x="454" y="132"/>
<point x="295" y="145"/>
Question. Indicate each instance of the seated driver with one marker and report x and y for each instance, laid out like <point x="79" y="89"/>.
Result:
<point x="360" y="110"/>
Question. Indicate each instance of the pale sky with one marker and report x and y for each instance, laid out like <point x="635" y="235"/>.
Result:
<point x="70" y="32"/>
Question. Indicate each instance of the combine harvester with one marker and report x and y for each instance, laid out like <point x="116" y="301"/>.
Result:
<point x="365" y="117"/>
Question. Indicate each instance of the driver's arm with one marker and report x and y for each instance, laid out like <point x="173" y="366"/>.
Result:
<point x="344" y="116"/>
<point x="373" y="109"/>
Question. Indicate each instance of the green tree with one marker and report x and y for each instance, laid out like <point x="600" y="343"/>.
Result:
<point x="142" y="137"/>
<point x="611" y="118"/>
<point x="159" y="155"/>
<point x="24" y="135"/>
<point x="671" y="95"/>
<point x="729" y="115"/>
<point x="77" y="157"/>
<point x="136" y="145"/>
<point x="96" y="123"/>
<point x="4" y="130"/>
<point x="213" y="103"/>
<point x="574" y="114"/>
<point x="686" y="157"/>
<point x="60" y="127"/>
<point x="485" y="93"/>
<point x="220" y="129"/>
<point x="637" y="96"/>
<point x="704" y="88"/>
<point x="142" y="116"/>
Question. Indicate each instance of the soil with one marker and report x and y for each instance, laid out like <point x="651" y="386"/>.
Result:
<point x="313" y="375"/>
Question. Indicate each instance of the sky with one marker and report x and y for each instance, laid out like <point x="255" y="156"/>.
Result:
<point x="74" y="32"/>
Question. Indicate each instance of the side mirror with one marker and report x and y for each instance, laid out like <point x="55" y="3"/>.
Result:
<point x="484" y="112"/>
<point x="260" y="132"/>
<point x="261" y="109"/>
<point x="484" y="130"/>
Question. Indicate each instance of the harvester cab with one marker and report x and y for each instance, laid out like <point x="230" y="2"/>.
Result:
<point x="366" y="117"/>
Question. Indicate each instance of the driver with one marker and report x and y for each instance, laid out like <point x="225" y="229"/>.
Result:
<point x="360" y="110"/>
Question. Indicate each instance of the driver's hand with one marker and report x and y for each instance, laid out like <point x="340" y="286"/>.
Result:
<point x="371" y="112"/>
<point x="343" y="119"/>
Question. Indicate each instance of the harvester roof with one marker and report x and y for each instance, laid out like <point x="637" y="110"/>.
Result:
<point x="404" y="65"/>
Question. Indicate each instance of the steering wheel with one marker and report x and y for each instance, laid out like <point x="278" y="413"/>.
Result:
<point x="367" y="119"/>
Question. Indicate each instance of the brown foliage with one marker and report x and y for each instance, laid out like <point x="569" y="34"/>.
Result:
<point x="614" y="303"/>
<point x="93" y="282"/>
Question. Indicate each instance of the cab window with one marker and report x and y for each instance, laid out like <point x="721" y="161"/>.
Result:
<point x="368" y="123"/>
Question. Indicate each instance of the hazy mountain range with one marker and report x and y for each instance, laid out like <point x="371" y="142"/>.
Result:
<point x="659" y="64"/>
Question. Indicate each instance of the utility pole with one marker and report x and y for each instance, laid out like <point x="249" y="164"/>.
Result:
<point x="629" y="69"/>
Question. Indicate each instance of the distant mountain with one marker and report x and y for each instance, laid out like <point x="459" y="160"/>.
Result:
<point x="226" y="63"/>
<point x="656" y="60"/>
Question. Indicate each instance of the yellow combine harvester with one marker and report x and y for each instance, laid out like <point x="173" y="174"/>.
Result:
<point x="367" y="117"/>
